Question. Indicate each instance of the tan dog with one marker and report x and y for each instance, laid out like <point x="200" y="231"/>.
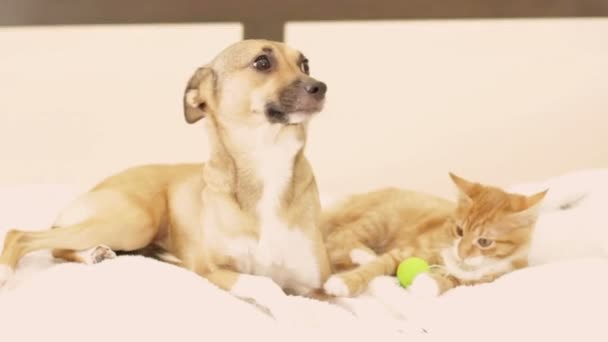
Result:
<point x="251" y="209"/>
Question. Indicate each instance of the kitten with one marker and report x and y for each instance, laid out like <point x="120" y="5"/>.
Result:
<point x="484" y="235"/>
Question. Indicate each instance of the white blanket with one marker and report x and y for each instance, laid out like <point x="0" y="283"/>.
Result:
<point x="561" y="298"/>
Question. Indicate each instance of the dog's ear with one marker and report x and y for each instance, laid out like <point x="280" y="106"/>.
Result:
<point x="198" y="94"/>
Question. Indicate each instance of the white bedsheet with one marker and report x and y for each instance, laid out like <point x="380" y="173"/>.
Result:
<point x="563" y="297"/>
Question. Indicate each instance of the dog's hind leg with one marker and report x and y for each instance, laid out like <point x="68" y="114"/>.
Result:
<point x="120" y="224"/>
<point x="69" y="241"/>
<point x="91" y="255"/>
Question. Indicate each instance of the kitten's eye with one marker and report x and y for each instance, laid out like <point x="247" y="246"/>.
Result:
<point x="484" y="243"/>
<point x="459" y="231"/>
<point x="304" y="67"/>
<point x="262" y="63"/>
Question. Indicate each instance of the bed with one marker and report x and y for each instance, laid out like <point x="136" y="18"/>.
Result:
<point x="560" y="297"/>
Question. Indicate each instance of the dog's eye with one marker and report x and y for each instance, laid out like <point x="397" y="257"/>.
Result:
<point x="484" y="243"/>
<point x="304" y="67"/>
<point x="459" y="231"/>
<point x="262" y="63"/>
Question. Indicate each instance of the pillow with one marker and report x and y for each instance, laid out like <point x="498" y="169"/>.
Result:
<point x="572" y="223"/>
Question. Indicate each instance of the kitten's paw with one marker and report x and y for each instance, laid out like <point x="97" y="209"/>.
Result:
<point x="384" y="284"/>
<point x="424" y="286"/>
<point x="336" y="286"/>
<point x="346" y="284"/>
<point x="6" y="272"/>
<point x="361" y="257"/>
<point x="97" y="254"/>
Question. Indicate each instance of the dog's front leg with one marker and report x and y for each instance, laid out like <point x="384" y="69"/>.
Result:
<point x="260" y="290"/>
<point x="246" y="286"/>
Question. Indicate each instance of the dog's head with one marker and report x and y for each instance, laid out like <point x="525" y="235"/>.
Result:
<point x="255" y="82"/>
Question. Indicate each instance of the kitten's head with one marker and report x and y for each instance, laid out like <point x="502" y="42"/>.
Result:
<point x="492" y="229"/>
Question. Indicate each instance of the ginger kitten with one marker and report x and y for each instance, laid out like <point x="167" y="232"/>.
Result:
<point x="484" y="235"/>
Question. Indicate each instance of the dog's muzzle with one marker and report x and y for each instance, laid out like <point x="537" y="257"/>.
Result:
<point x="297" y="102"/>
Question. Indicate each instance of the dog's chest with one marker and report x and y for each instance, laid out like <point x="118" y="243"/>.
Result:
<point x="285" y="254"/>
<point x="288" y="257"/>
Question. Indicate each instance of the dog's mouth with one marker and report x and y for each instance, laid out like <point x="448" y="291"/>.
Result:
<point x="276" y="114"/>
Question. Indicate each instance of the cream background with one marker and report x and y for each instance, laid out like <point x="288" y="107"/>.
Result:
<point x="502" y="101"/>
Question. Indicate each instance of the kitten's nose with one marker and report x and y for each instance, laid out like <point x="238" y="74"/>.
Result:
<point x="462" y="251"/>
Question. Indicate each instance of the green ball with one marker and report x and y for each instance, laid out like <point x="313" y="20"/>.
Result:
<point x="409" y="268"/>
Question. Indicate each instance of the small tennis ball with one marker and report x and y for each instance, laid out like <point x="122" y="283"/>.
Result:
<point x="409" y="268"/>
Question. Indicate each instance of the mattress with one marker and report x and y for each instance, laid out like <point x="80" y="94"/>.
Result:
<point x="561" y="296"/>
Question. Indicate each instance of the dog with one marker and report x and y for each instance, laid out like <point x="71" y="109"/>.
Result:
<point x="247" y="218"/>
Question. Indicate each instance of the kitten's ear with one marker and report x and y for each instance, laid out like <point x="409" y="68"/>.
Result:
<point x="466" y="188"/>
<point x="534" y="200"/>
<point x="528" y="214"/>
<point x="521" y="219"/>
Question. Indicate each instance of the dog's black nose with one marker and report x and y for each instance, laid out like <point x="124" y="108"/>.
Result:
<point x="318" y="89"/>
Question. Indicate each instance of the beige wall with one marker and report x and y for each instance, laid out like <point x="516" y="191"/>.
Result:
<point x="498" y="101"/>
<point x="77" y="103"/>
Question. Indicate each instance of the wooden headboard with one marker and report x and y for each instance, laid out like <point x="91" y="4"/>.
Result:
<point x="266" y="18"/>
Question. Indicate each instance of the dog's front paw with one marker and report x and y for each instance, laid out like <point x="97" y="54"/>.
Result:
<point x="259" y="288"/>
<point x="6" y="272"/>
<point x="424" y="286"/>
<point x="263" y="293"/>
